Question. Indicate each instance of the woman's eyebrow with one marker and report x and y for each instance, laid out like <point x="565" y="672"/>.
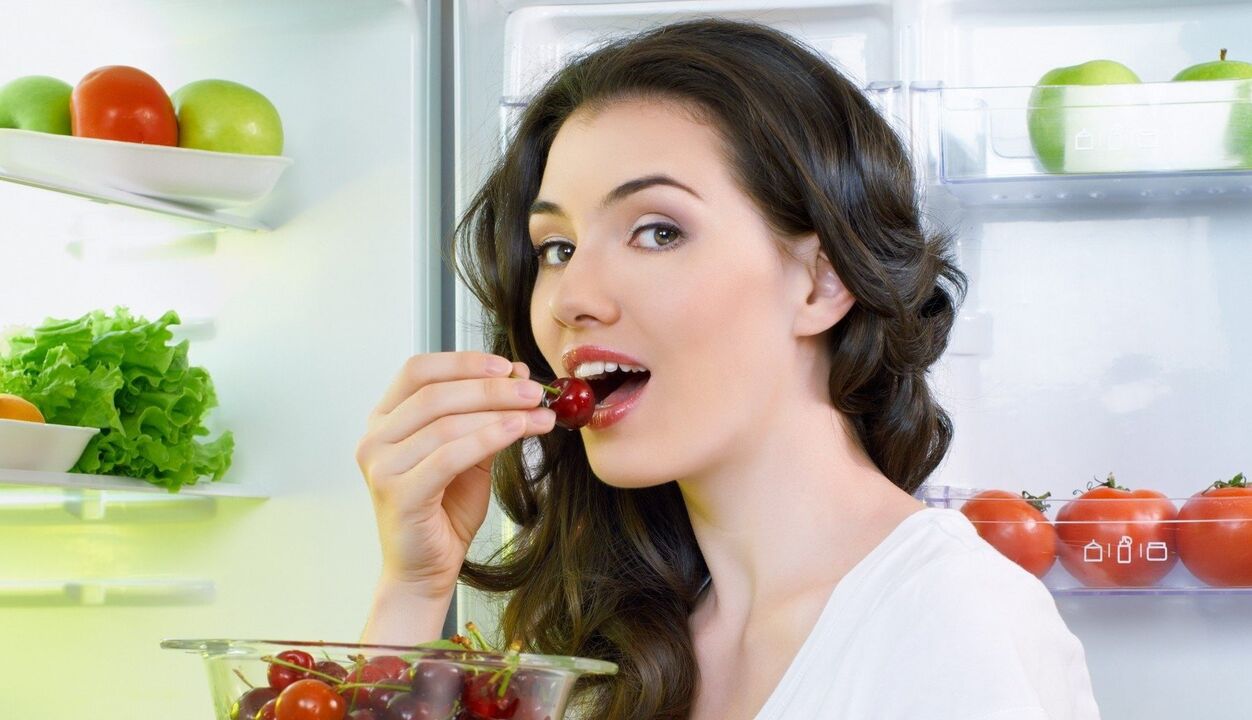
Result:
<point x="543" y="207"/>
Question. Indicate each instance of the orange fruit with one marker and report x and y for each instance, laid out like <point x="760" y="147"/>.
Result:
<point x="13" y="407"/>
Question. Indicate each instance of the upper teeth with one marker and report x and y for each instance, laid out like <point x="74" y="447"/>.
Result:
<point x="596" y="368"/>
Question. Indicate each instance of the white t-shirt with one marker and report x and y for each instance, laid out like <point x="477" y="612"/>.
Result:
<point x="935" y="624"/>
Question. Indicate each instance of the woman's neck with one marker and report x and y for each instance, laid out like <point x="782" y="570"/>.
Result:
<point x="789" y="511"/>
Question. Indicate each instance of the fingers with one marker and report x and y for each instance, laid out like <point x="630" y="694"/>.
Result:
<point x="437" y="400"/>
<point x="422" y="370"/>
<point x="402" y="456"/>
<point x="427" y="480"/>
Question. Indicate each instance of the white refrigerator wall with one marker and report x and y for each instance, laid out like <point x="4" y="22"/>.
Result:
<point x="303" y="329"/>
<point x="1096" y="337"/>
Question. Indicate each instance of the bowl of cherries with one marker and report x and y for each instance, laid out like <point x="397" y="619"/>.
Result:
<point x="456" y="679"/>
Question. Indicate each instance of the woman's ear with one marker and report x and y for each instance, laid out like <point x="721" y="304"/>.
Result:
<point x="828" y="298"/>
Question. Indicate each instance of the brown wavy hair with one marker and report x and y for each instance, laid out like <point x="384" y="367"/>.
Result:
<point x="608" y="573"/>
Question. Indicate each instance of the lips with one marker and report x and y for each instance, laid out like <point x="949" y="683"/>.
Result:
<point x="612" y="409"/>
<point x="618" y="394"/>
<point x="580" y="354"/>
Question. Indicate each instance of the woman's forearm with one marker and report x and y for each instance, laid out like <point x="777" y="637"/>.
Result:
<point x="404" y="615"/>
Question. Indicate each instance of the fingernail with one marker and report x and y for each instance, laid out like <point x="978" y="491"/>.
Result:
<point x="499" y="366"/>
<point x="539" y="416"/>
<point x="529" y="391"/>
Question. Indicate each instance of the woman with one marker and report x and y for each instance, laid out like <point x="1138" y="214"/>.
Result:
<point x="717" y="208"/>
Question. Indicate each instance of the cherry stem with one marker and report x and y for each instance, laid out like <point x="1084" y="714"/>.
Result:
<point x="380" y="684"/>
<point x="478" y="637"/>
<point x="245" y="680"/>
<point x="548" y="388"/>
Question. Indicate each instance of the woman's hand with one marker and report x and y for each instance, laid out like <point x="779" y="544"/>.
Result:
<point x="427" y="457"/>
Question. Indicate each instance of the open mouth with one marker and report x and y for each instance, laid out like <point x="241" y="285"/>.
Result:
<point x="612" y="386"/>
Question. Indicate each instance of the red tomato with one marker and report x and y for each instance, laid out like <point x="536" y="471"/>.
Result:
<point x="118" y="102"/>
<point x="1014" y="525"/>
<point x="309" y="699"/>
<point x="1215" y="537"/>
<point x="1114" y="537"/>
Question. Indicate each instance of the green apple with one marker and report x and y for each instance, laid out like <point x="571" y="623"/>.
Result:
<point x="1220" y="69"/>
<point x="36" y="102"/>
<point x="1046" y="116"/>
<point x="1239" y="129"/>
<point x="225" y="116"/>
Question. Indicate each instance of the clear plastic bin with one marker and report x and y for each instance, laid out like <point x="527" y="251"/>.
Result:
<point x="1165" y="139"/>
<point x="1117" y="545"/>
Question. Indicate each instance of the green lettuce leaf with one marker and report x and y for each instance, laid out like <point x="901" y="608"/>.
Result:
<point x="119" y="373"/>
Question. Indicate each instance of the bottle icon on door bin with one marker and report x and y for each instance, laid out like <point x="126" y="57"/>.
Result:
<point x="1123" y="550"/>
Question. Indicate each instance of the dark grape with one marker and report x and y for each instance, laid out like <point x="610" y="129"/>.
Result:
<point x="438" y="683"/>
<point x="246" y="707"/>
<point x="406" y="706"/>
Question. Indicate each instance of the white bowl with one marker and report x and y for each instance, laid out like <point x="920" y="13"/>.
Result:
<point x="193" y="177"/>
<point x="39" y="446"/>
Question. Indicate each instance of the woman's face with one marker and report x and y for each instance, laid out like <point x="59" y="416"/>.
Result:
<point x="650" y="250"/>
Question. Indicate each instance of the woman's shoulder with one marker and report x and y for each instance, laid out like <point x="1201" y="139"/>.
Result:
<point x="971" y="628"/>
<point x="945" y="565"/>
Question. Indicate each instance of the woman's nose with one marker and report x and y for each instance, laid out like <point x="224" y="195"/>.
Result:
<point x="583" y="295"/>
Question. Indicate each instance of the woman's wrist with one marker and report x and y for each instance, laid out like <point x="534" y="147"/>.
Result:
<point x="405" y="613"/>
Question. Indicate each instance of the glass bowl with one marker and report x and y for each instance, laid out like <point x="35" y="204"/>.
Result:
<point x="388" y="682"/>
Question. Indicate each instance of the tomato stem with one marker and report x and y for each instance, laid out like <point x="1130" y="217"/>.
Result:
<point x="1037" y="501"/>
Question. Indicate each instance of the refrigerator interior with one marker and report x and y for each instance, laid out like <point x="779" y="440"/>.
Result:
<point x="1105" y="322"/>
<point x="301" y="327"/>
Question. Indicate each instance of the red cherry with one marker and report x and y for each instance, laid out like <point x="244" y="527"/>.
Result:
<point x="331" y="668"/>
<point x="483" y="699"/>
<point x="267" y="710"/>
<point x="280" y="676"/>
<point x="359" y="697"/>
<point x="572" y="400"/>
<point x="396" y="668"/>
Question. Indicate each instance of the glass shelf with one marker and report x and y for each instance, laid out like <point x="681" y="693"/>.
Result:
<point x="1172" y="142"/>
<point x="220" y="489"/>
<point x="111" y="591"/>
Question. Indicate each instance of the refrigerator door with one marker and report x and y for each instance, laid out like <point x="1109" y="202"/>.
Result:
<point x="301" y="328"/>
<point x="1104" y="325"/>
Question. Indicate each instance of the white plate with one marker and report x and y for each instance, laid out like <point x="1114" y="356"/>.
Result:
<point x="191" y="177"/>
<point x="39" y="446"/>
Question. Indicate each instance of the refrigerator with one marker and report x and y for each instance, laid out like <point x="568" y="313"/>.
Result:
<point x="1104" y="330"/>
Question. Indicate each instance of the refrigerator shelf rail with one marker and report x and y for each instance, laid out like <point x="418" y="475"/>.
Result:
<point x="111" y="592"/>
<point x="23" y="505"/>
<point x="220" y="489"/>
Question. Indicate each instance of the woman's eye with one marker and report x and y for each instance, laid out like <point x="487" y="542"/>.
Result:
<point x="659" y="234"/>
<point x="554" y="252"/>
